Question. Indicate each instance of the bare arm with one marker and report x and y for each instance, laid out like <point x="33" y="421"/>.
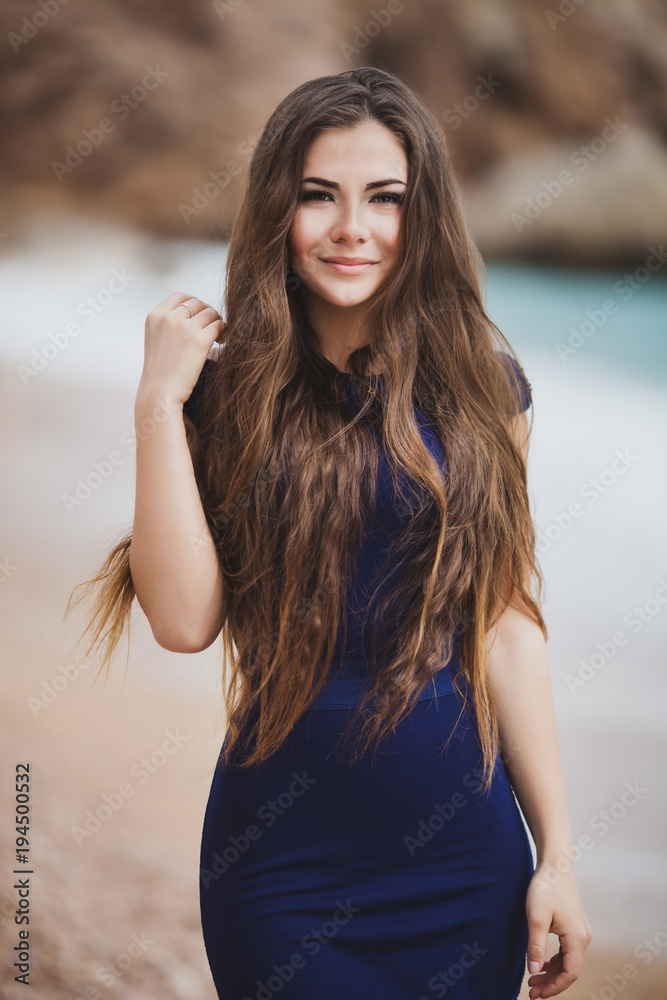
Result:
<point x="178" y="583"/>
<point x="173" y="560"/>
<point x="520" y="678"/>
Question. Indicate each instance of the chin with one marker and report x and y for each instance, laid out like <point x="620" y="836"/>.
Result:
<point x="346" y="301"/>
<point x="349" y="295"/>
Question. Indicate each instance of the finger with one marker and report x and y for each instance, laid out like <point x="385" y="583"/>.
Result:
<point x="538" y="932"/>
<point x="549" y="968"/>
<point x="173" y="300"/>
<point x="568" y="969"/>
<point x="192" y="306"/>
<point x="541" y="985"/>
<point x="203" y="317"/>
<point x="215" y="329"/>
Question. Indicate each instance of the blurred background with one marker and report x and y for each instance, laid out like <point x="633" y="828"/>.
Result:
<point x="127" y="131"/>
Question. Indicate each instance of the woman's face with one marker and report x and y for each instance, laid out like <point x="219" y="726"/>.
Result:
<point x="354" y="180"/>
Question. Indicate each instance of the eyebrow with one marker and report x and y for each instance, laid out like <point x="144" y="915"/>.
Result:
<point x="372" y="184"/>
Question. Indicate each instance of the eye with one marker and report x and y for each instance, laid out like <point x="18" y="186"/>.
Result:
<point x="314" y="195"/>
<point x="394" y="198"/>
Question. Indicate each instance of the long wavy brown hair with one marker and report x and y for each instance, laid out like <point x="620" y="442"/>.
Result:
<point x="286" y="471"/>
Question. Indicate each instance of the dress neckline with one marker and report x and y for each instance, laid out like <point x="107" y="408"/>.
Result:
<point x="369" y="382"/>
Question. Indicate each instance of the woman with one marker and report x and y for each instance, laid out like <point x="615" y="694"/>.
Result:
<point x="341" y="489"/>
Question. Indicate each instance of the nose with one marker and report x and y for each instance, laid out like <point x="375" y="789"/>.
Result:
<point x="350" y="224"/>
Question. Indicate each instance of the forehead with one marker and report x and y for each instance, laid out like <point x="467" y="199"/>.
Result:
<point x="365" y="149"/>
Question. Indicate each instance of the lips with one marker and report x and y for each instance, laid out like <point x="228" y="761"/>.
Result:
<point x="348" y="265"/>
<point x="347" y="260"/>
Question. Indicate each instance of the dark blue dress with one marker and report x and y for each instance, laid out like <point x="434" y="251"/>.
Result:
<point x="391" y="881"/>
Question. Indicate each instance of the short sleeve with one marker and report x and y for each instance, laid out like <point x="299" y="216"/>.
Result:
<point x="192" y="403"/>
<point x="520" y="384"/>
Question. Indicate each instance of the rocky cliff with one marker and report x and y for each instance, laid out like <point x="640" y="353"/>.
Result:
<point x="556" y="114"/>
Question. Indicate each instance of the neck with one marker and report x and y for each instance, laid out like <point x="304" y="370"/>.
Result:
<point x="336" y="330"/>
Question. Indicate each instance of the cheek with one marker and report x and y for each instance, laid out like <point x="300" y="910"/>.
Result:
<point x="306" y="233"/>
<point x="388" y="230"/>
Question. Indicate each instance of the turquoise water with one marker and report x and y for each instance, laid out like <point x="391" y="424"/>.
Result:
<point x="536" y="309"/>
<point x="599" y="565"/>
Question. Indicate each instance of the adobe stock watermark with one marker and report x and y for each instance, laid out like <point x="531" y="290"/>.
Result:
<point x="312" y="942"/>
<point x="378" y="19"/>
<point x="592" y="490"/>
<point x="565" y="10"/>
<point x="296" y="275"/>
<point x="93" y="137"/>
<point x="31" y="25"/>
<point x="209" y="191"/>
<point x="549" y="872"/>
<point x="141" y="770"/>
<point x="110" y="973"/>
<point x="268" y="813"/>
<point x="625" y="288"/>
<point x="581" y="158"/>
<point x="266" y="644"/>
<point x="7" y="909"/>
<point x="442" y="813"/>
<point x="224" y="7"/>
<point x="446" y="979"/>
<point x="7" y="569"/>
<point x="102" y="469"/>
<point x="240" y="503"/>
<point x="645" y="951"/>
<point x="51" y="690"/>
<point x="88" y="309"/>
<point x="636" y="619"/>
<point x="461" y="111"/>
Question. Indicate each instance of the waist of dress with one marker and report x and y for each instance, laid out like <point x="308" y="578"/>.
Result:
<point x="348" y="688"/>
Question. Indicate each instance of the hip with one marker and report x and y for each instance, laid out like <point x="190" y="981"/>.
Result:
<point x="418" y="801"/>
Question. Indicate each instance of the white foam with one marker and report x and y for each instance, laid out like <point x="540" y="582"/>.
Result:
<point x="606" y="562"/>
<point x="45" y="281"/>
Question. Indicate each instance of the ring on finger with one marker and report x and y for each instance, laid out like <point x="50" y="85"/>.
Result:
<point x="188" y="307"/>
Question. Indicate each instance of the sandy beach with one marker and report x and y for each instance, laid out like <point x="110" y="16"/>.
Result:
<point x="135" y="879"/>
<point x="114" y="906"/>
<point x="137" y="144"/>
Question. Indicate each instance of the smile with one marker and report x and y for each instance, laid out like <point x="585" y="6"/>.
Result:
<point x="347" y="268"/>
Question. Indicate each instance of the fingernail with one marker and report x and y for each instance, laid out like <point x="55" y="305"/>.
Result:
<point x="533" y="966"/>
